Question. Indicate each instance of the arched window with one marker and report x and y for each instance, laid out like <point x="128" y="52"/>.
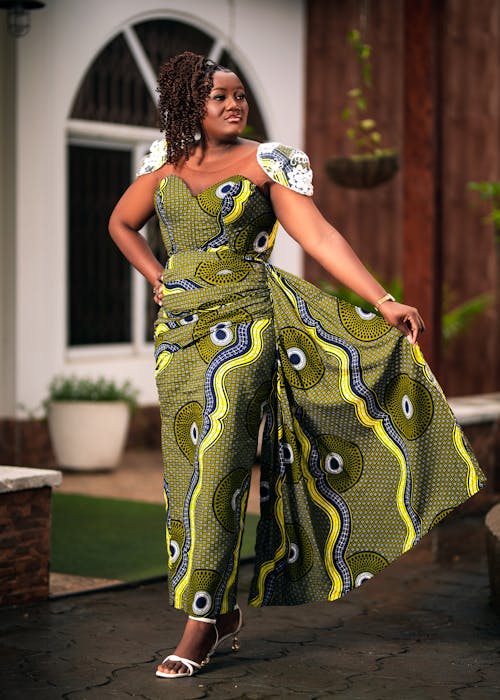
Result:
<point x="112" y="123"/>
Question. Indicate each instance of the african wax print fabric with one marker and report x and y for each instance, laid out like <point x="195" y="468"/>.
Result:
<point x="361" y="454"/>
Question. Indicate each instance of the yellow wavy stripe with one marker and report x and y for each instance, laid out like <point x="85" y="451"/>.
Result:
<point x="269" y="165"/>
<point x="168" y="291"/>
<point x="236" y="554"/>
<point x="238" y="203"/>
<point x="257" y="329"/>
<point x="167" y="533"/>
<point x="375" y="424"/>
<point x="163" y="361"/>
<point x="377" y="427"/>
<point x="419" y="359"/>
<point x="279" y="517"/>
<point x="472" y="478"/>
<point x="272" y="235"/>
<point x="333" y="516"/>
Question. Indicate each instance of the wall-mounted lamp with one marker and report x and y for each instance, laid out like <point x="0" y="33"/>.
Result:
<point x="18" y="15"/>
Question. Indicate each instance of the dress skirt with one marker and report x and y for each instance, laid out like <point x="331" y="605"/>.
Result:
<point x="361" y="454"/>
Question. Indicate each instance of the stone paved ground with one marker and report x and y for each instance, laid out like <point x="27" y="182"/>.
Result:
<point x="420" y="630"/>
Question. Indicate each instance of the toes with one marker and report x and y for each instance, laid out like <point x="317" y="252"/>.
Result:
<point x="173" y="667"/>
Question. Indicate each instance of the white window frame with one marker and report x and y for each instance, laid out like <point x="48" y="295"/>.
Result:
<point x="137" y="140"/>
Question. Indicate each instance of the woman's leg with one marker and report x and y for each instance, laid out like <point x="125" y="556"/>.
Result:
<point x="209" y="432"/>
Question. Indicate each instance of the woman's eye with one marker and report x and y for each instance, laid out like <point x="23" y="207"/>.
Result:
<point x="241" y="97"/>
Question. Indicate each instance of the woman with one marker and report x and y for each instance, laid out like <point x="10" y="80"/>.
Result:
<point x="361" y="455"/>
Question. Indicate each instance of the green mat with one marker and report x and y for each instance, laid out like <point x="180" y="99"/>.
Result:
<point x="114" y="539"/>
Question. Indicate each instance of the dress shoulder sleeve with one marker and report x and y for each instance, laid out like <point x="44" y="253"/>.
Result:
<point x="287" y="166"/>
<point x="156" y="157"/>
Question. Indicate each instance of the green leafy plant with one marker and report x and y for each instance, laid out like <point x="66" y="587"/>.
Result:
<point x="457" y="319"/>
<point x="84" y="389"/>
<point x="361" y="130"/>
<point x="489" y="191"/>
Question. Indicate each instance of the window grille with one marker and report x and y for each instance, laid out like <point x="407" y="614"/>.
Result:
<point x="113" y="89"/>
<point x="99" y="284"/>
<point x="163" y="38"/>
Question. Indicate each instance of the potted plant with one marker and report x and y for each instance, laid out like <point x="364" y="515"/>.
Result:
<point x="370" y="165"/>
<point x="88" y="421"/>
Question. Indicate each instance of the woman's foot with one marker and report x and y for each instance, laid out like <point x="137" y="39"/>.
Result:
<point x="196" y="643"/>
<point x="198" y="640"/>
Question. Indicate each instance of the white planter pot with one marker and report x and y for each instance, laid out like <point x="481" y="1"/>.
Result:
<point x="88" y="435"/>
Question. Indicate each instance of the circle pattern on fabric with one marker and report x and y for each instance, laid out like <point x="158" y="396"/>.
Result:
<point x="177" y="538"/>
<point x="210" y="200"/>
<point x="247" y="238"/>
<point x="364" y="565"/>
<point x="221" y="334"/>
<point x="202" y="586"/>
<point x="202" y="602"/>
<point x="187" y="427"/>
<point x="228" y="269"/>
<point x="227" y="188"/>
<point x="261" y="241"/>
<point x="410" y="405"/>
<point x="290" y="455"/>
<point x="334" y="464"/>
<point x="226" y="497"/>
<point x="365" y="315"/>
<point x="300" y="551"/>
<point x="190" y="318"/>
<point x="440" y="516"/>
<point x="341" y="460"/>
<point x="257" y="407"/>
<point x="265" y="491"/>
<point x="175" y="551"/>
<point x="212" y="333"/>
<point x="361" y="324"/>
<point x="301" y="361"/>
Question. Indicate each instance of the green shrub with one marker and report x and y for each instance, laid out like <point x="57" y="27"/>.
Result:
<point x="84" y="389"/>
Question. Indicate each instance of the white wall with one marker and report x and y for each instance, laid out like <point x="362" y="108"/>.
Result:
<point x="7" y="221"/>
<point x="268" y="37"/>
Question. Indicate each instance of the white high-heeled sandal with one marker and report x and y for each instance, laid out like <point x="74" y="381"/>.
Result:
<point x="193" y="667"/>
<point x="235" y="646"/>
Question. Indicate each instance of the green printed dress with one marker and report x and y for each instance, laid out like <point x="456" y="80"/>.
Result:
<point x="361" y="455"/>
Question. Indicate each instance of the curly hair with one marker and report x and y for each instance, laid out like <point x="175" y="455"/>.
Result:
<point x="184" y="84"/>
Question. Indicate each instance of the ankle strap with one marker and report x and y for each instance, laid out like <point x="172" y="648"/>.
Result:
<point x="210" y="620"/>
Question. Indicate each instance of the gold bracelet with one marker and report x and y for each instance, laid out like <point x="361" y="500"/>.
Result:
<point x="386" y="297"/>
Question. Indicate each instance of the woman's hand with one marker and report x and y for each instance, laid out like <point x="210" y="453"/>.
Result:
<point x="405" y="318"/>
<point x="158" y="292"/>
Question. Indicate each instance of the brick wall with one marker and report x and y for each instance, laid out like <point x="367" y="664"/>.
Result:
<point x="24" y="545"/>
<point x="27" y="442"/>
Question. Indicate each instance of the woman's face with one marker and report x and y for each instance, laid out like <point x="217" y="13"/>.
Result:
<point x="226" y="109"/>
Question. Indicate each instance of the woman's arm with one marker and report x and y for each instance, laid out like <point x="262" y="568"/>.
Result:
<point x="131" y="213"/>
<point x="304" y="222"/>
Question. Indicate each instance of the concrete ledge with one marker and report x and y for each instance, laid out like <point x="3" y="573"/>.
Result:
<point x="480" y="408"/>
<point x="492" y="522"/>
<point x="21" y="478"/>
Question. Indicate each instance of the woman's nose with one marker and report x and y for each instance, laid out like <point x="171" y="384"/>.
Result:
<point x="231" y="103"/>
